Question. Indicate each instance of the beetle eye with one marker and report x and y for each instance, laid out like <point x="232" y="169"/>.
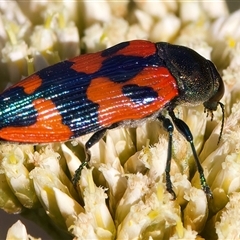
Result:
<point x="213" y="102"/>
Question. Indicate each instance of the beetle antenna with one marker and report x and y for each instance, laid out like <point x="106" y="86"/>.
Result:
<point x="223" y="117"/>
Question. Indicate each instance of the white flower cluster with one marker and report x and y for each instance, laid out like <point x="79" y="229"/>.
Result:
<point x="123" y="195"/>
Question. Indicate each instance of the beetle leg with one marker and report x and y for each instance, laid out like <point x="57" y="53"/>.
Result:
<point x="92" y="140"/>
<point x="167" y="124"/>
<point x="183" y="128"/>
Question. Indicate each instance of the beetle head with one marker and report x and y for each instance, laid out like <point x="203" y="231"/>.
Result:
<point x="197" y="78"/>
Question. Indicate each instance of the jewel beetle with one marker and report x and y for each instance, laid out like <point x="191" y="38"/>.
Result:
<point x="119" y="86"/>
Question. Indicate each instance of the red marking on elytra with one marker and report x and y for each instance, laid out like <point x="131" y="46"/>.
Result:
<point x="92" y="62"/>
<point x="115" y="107"/>
<point x="30" y="84"/>
<point x="87" y="63"/>
<point x="48" y="128"/>
<point x="138" y="48"/>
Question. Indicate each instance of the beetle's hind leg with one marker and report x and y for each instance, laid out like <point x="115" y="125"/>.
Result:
<point x="93" y="139"/>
